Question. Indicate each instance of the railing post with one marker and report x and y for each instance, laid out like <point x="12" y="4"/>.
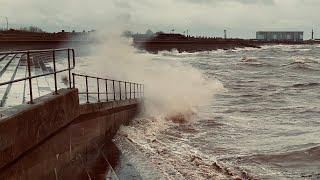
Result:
<point x="73" y="80"/>
<point x="134" y="90"/>
<point x="55" y="71"/>
<point x="141" y="91"/>
<point x="120" y="90"/>
<point x="107" y="90"/>
<point x="69" y="68"/>
<point x="137" y="91"/>
<point x="114" y="91"/>
<point x="29" y="76"/>
<point x="125" y="89"/>
<point x="98" y="89"/>
<point x="130" y="89"/>
<point x="87" y="89"/>
<point x="73" y="58"/>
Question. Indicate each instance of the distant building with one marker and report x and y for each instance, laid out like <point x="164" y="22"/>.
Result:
<point x="294" y="36"/>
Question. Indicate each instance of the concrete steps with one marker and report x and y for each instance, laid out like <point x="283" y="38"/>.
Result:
<point x="43" y="85"/>
<point x="2" y="57"/>
<point x="12" y="67"/>
<point x="9" y="69"/>
<point x="5" y="62"/>
<point x="35" y="89"/>
<point x="46" y="68"/>
<point x="16" y="95"/>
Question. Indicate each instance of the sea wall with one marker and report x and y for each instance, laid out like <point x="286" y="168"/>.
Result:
<point x="155" y="47"/>
<point x="81" y="47"/>
<point x="57" y="138"/>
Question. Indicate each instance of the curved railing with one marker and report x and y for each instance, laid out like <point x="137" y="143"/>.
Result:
<point x="103" y="89"/>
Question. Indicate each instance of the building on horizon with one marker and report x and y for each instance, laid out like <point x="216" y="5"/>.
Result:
<point x="294" y="36"/>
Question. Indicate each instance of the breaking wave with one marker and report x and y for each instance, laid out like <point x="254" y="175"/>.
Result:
<point x="233" y="137"/>
<point x="165" y="145"/>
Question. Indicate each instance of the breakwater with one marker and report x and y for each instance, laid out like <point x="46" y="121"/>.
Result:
<point x="167" y="42"/>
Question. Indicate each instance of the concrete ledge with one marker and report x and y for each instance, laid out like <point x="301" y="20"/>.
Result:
<point x="25" y="126"/>
<point x="105" y="106"/>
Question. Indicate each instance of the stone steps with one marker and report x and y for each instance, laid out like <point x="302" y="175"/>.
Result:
<point x="12" y="67"/>
<point x="9" y="70"/>
<point x="16" y="95"/>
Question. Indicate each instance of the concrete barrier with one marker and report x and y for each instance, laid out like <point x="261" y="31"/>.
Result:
<point x="54" y="137"/>
<point x="23" y="127"/>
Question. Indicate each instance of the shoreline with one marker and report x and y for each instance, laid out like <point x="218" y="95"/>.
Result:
<point x="185" y="46"/>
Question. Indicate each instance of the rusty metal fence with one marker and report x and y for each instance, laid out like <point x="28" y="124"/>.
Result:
<point x="101" y="89"/>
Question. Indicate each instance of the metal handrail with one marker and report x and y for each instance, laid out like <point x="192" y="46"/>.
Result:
<point x="35" y="51"/>
<point x="71" y="55"/>
<point x="131" y="90"/>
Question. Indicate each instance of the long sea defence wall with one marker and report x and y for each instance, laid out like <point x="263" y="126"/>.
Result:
<point x="58" y="138"/>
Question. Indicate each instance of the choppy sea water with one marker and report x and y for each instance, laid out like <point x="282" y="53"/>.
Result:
<point x="265" y="125"/>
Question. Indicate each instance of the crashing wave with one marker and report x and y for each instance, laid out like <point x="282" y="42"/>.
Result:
<point x="163" y="143"/>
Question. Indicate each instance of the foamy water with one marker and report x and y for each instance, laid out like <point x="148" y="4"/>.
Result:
<point x="264" y="124"/>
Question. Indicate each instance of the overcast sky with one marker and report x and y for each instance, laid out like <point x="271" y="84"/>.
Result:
<point x="241" y="18"/>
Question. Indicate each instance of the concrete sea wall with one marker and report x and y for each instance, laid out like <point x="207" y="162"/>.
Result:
<point x="57" y="138"/>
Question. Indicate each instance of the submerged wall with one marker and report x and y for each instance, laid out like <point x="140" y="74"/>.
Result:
<point x="57" y="138"/>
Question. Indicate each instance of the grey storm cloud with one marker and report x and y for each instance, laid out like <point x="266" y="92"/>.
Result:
<point x="201" y="17"/>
